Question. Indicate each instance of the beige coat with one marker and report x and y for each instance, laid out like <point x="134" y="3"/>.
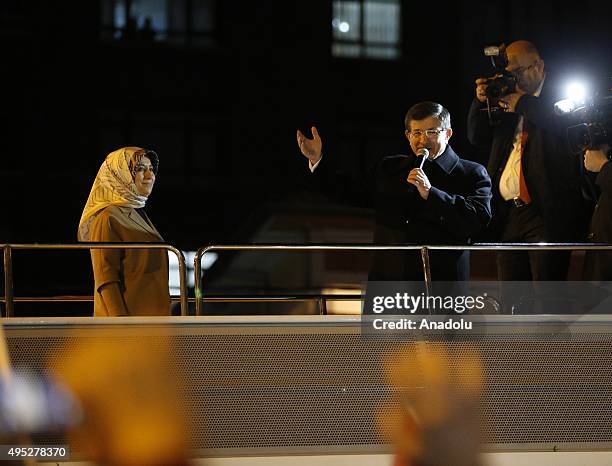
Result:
<point x="142" y="274"/>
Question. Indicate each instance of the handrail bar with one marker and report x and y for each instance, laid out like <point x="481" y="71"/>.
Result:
<point x="198" y="274"/>
<point x="8" y="264"/>
<point x="9" y="298"/>
<point x="73" y="299"/>
<point x="213" y="297"/>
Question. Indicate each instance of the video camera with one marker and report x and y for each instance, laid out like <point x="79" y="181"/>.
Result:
<point x="591" y="119"/>
<point x="503" y="82"/>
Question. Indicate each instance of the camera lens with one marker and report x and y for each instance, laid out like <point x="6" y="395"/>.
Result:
<point x="494" y="91"/>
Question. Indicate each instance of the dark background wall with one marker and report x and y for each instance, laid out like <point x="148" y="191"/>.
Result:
<point x="223" y="118"/>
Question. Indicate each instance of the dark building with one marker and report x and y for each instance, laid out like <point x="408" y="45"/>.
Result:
<point x="218" y="89"/>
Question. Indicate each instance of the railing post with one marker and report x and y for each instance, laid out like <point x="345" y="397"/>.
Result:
<point x="197" y="284"/>
<point x="182" y="280"/>
<point x="322" y="306"/>
<point x="426" y="269"/>
<point x="8" y="281"/>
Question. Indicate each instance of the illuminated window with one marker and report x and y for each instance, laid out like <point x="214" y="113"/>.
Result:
<point x="180" y="22"/>
<point x="366" y="29"/>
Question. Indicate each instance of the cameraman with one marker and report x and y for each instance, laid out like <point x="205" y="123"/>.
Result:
<point x="598" y="264"/>
<point x="536" y="180"/>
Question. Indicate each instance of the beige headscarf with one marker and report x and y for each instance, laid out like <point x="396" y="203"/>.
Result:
<point x="114" y="185"/>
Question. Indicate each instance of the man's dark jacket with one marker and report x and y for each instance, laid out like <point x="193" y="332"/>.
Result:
<point x="553" y="175"/>
<point x="458" y="207"/>
<point x="598" y="264"/>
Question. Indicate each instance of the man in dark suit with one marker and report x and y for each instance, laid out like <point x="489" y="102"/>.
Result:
<point x="447" y="201"/>
<point x="536" y="180"/>
<point x="598" y="264"/>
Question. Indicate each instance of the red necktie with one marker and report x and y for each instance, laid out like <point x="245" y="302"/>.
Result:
<point x="523" y="192"/>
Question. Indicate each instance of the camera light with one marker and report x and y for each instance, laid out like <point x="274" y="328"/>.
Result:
<point x="577" y="92"/>
<point x="565" y="106"/>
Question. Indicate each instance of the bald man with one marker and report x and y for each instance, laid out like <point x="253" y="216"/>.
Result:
<point x="536" y="180"/>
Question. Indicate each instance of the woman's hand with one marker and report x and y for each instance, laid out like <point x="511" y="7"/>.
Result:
<point x="113" y="300"/>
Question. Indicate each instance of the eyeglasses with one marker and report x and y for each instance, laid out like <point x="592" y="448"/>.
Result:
<point x="521" y="69"/>
<point x="430" y="133"/>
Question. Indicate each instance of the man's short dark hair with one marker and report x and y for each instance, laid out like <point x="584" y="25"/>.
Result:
<point x="424" y="110"/>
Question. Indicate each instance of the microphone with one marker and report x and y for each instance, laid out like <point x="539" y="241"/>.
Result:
<point x="422" y="153"/>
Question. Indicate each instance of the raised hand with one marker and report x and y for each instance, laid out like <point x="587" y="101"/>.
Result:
<point x="310" y="148"/>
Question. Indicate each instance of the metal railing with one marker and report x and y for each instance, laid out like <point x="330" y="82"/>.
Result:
<point x="321" y="298"/>
<point x="9" y="298"/>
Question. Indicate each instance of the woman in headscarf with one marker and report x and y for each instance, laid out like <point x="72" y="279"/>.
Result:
<point x="127" y="281"/>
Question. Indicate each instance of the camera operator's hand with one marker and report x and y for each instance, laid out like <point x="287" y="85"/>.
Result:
<point x="509" y="101"/>
<point x="481" y="89"/>
<point x="594" y="160"/>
